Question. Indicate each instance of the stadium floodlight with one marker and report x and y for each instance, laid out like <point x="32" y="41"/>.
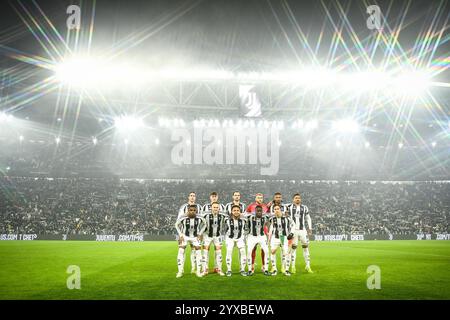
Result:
<point x="279" y="143"/>
<point x="94" y="141"/>
<point x="338" y="144"/>
<point x="157" y="141"/>
<point x="346" y="126"/>
<point x="21" y="138"/>
<point x="298" y="124"/>
<point x="5" y="117"/>
<point x="309" y="143"/>
<point x="366" y="80"/>
<point x="400" y="145"/>
<point x="162" y="122"/>
<point x="367" y="144"/>
<point x="126" y="141"/>
<point x="433" y="144"/>
<point x="57" y="140"/>
<point x="129" y="123"/>
<point x="79" y="71"/>
<point x="413" y="83"/>
<point x="311" y="125"/>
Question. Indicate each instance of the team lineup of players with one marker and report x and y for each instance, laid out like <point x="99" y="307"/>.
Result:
<point x="273" y="224"/>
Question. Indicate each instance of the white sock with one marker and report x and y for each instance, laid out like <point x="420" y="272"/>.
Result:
<point x="266" y="260"/>
<point x="283" y="260"/>
<point x="293" y="256"/>
<point x="198" y="256"/>
<point x="219" y="259"/>
<point x="180" y="260"/>
<point x="273" y="259"/>
<point x="306" y="256"/>
<point x="193" y="259"/>
<point x="287" y="261"/>
<point x="229" y="254"/>
<point x="249" y="260"/>
<point x="205" y="259"/>
<point x="243" y="258"/>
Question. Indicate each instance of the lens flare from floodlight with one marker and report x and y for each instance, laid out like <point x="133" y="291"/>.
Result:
<point x="367" y="144"/>
<point x="21" y="138"/>
<point x="309" y="144"/>
<point x="346" y="126"/>
<point x="433" y="144"/>
<point x="81" y="71"/>
<point x="94" y="141"/>
<point x="157" y="141"/>
<point x="128" y="123"/>
<point x="400" y="145"/>
<point x="363" y="81"/>
<point x="57" y="140"/>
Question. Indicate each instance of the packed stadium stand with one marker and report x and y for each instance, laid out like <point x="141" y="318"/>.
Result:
<point x="120" y="206"/>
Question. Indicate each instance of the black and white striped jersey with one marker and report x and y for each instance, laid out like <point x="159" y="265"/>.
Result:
<point x="283" y="208"/>
<point x="215" y="224"/>
<point x="299" y="214"/>
<point x="230" y="204"/>
<point x="235" y="228"/>
<point x="256" y="225"/>
<point x="184" y="210"/>
<point x="190" y="227"/>
<point x="207" y="208"/>
<point x="280" y="226"/>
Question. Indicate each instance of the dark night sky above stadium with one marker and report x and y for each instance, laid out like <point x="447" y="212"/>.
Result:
<point x="249" y="35"/>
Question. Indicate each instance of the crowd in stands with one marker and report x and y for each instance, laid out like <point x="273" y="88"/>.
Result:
<point x="117" y="206"/>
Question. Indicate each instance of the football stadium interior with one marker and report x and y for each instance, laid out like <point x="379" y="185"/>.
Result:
<point x="113" y="112"/>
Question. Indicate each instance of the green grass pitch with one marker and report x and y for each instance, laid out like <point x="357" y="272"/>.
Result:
<point x="146" y="270"/>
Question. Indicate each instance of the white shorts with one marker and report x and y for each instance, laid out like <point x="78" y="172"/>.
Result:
<point x="252" y="241"/>
<point x="217" y="241"/>
<point x="189" y="240"/>
<point x="240" y="243"/>
<point x="276" y="242"/>
<point x="300" y="235"/>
